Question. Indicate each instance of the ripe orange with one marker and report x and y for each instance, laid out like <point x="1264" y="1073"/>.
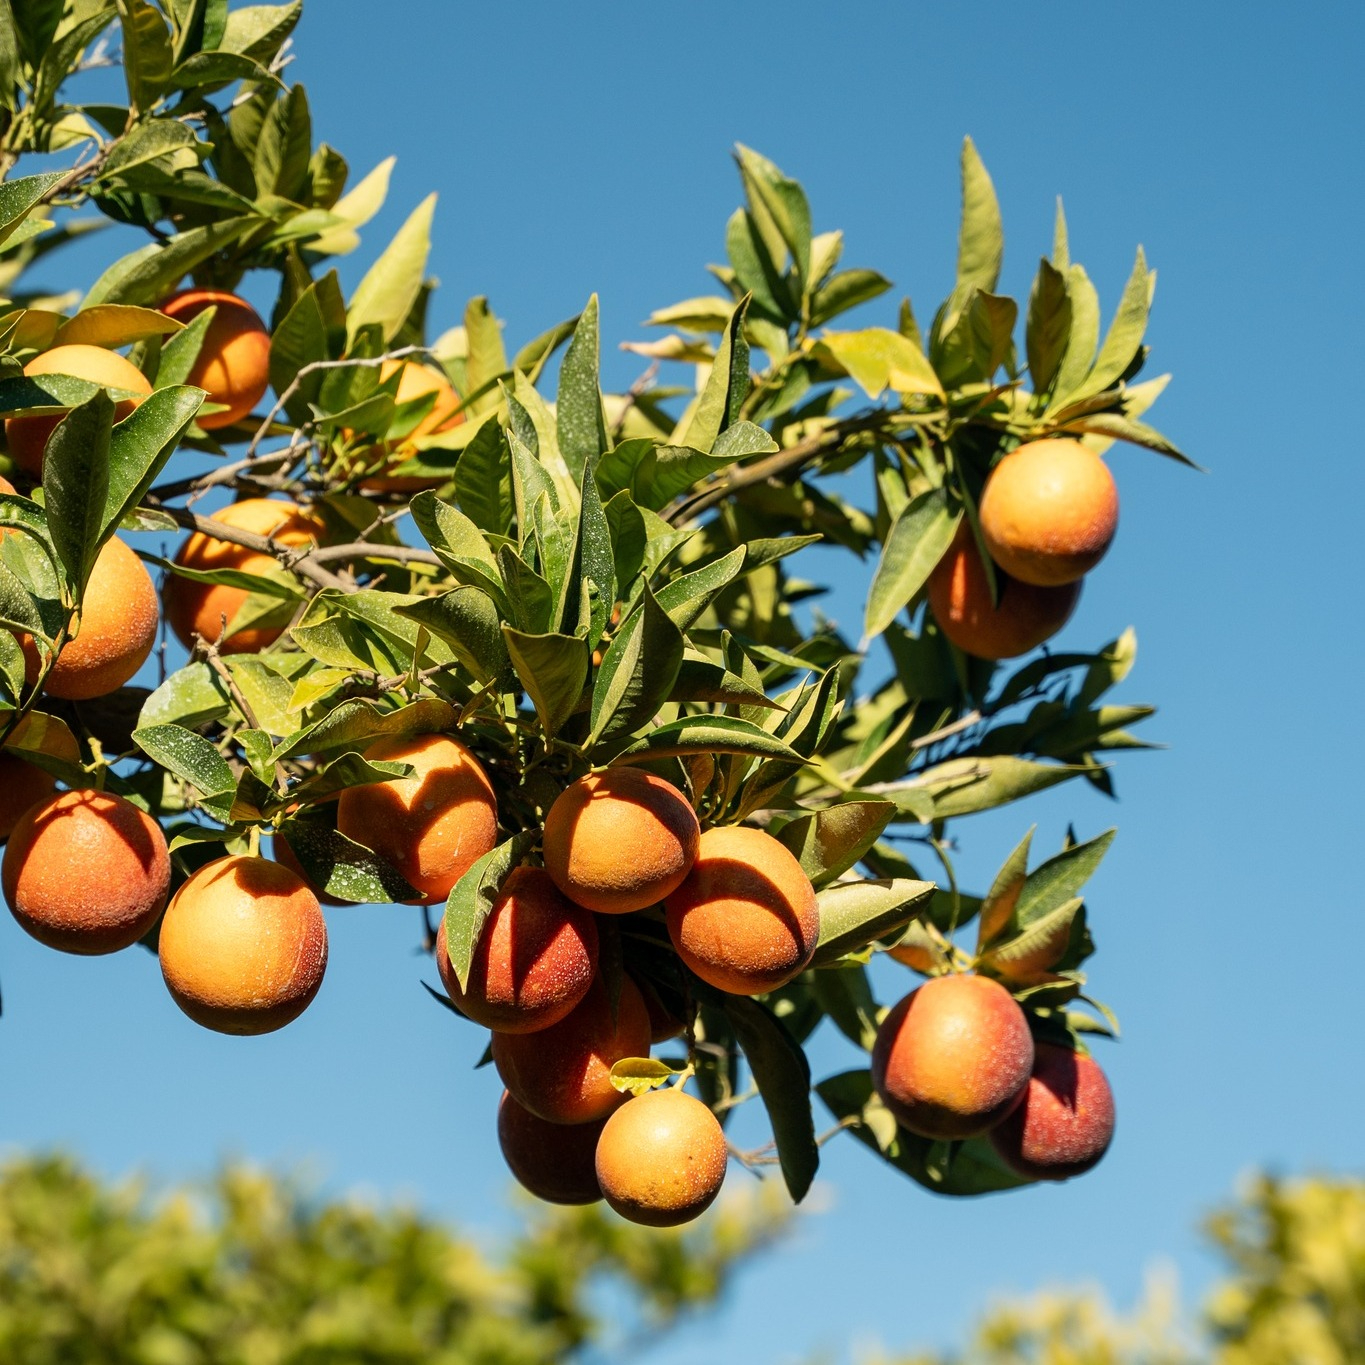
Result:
<point x="243" y="946"/>
<point x="745" y="918"/>
<point x="24" y="784"/>
<point x="86" y="872"/>
<point x="27" y="436"/>
<point x="201" y="608"/>
<point x="620" y="840"/>
<point x="117" y="630"/>
<point x="953" y="1057"/>
<point x="1049" y="512"/>
<point x="233" y="364"/>
<point x="661" y="1158"/>
<point x="556" y="1162"/>
<point x="1026" y="615"/>
<point x="536" y="958"/>
<point x="433" y="826"/>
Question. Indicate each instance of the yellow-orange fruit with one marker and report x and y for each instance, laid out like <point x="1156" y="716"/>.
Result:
<point x="415" y="381"/>
<point x="433" y="826"/>
<point x="1049" y="511"/>
<point x="536" y="957"/>
<point x="233" y="364"/>
<point x="556" y="1162"/>
<point x="952" y="1059"/>
<point x="86" y="872"/>
<point x="620" y="840"/>
<point x="243" y="945"/>
<point x="117" y="630"/>
<point x="661" y="1158"/>
<point x="24" y="784"/>
<point x="1026" y="615"/>
<point x="745" y="919"/>
<point x="562" y="1074"/>
<point x="286" y="857"/>
<point x="202" y="608"/>
<point x="1065" y="1122"/>
<point x="27" y="436"/>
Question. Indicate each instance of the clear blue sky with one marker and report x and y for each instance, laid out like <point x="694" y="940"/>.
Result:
<point x="581" y="148"/>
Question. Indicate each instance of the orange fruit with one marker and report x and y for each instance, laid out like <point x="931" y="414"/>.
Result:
<point x="556" y="1162"/>
<point x="661" y="1158"/>
<point x="620" y="840"/>
<point x="86" y="872"/>
<point x="243" y="945"/>
<point x="201" y="608"/>
<point x="536" y="957"/>
<point x="562" y="1074"/>
<point x="24" y="784"/>
<point x="233" y="364"/>
<point x="27" y="436"/>
<point x="431" y="827"/>
<point x="1026" y="615"/>
<point x="745" y="919"/>
<point x="1049" y="512"/>
<point x="119" y="619"/>
<point x="953" y="1057"/>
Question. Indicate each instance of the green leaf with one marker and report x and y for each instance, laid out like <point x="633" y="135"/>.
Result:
<point x="854" y="914"/>
<point x="146" y="142"/>
<point x="782" y="1074"/>
<point x="140" y="446"/>
<point x="1125" y="333"/>
<point x="467" y="620"/>
<point x="148" y="274"/>
<point x="76" y="485"/>
<point x="638" y="1075"/>
<point x="581" y="423"/>
<point x="726" y="386"/>
<point x="342" y="868"/>
<point x="553" y="669"/>
<point x="1117" y="428"/>
<point x="189" y="756"/>
<point x="528" y="593"/>
<point x="343" y="772"/>
<point x="114" y="325"/>
<point x="701" y="680"/>
<point x="781" y="200"/>
<point x="880" y="359"/>
<point x="354" y="723"/>
<point x="1028" y="957"/>
<point x="590" y="585"/>
<point x="1083" y="338"/>
<point x="18" y="198"/>
<point x="472" y="898"/>
<point x="637" y="673"/>
<point x="284" y="148"/>
<point x="259" y="31"/>
<point x="147" y="59"/>
<point x="828" y="842"/>
<point x="1056" y="881"/>
<point x="997" y="909"/>
<point x="843" y="291"/>
<point x="917" y="540"/>
<point x="687" y="597"/>
<point x="962" y="786"/>
<point x="483" y="479"/>
<point x="708" y="734"/>
<point x="842" y="991"/>
<point x="385" y="297"/>
<point x="1049" y="325"/>
<point x="981" y="239"/>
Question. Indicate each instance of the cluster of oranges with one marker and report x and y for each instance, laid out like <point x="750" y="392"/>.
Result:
<point x="956" y="1059"/>
<point x="1048" y="513"/>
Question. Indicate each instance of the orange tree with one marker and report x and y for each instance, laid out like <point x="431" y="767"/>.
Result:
<point x="472" y="633"/>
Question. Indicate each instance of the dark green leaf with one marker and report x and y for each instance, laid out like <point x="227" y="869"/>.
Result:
<point x="918" y="539"/>
<point x="76" y="486"/>
<point x="708" y="734"/>
<point x="581" y="423"/>
<point x="189" y="756"/>
<point x="854" y="914"/>
<point x="554" y="671"/>
<point x="637" y="673"/>
<point x="828" y="842"/>
<point x="472" y="899"/>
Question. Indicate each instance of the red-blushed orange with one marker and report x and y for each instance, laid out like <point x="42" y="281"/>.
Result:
<point x="433" y="826"/>
<point x="556" y="1162"/>
<point x="620" y="840"/>
<point x="119" y="617"/>
<point x="1024" y="617"/>
<point x="1065" y="1122"/>
<point x="661" y="1158"/>
<point x="535" y="959"/>
<point x="208" y="608"/>
<point x="953" y="1057"/>
<point x="1049" y="512"/>
<point x="745" y="918"/>
<point x="24" y="784"/>
<point x="562" y="1073"/>
<point x="233" y="364"/>
<point x="27" y="437"/>
<point x="243" y="945"/>
<point x="86" y="872"/>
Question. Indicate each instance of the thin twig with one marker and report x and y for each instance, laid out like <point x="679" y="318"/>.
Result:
<point x="373" y="549"/>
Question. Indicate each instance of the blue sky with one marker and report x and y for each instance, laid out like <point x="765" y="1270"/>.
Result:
<point x="585" y="148"/>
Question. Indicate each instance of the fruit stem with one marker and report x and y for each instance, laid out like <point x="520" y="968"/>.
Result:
<point x="253" y="842"/>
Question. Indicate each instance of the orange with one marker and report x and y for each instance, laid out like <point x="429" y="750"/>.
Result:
<point x="953" y="1057"/>
<point x="562" y="1074"/>
<point x="24" y="784"/>
<point x="201" y="608"/>
<point x="536" y="957"/>
<point x="431" y="827"/>
<point x="27" y="436"/>
<point x="556" y="1162"/>
<point x="86" y="872"/>
<point x="661" y="1158"/>
<point x="117" y="630"/>
<point x="1049" y="512"/>
<point x="745" y="919"/>
<point x="1025" y="616"/>
<point x="620" y="840"/>
<point x="243" y="945"/>
<point x="233" y="364"/>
